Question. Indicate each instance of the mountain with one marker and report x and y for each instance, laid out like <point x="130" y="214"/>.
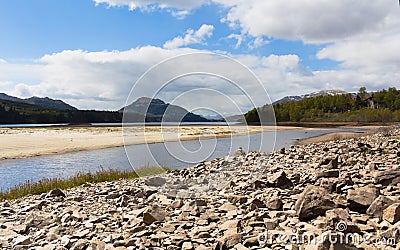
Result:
<point x="294" y="98"/>
<point x="156" y="110"/>
<point x="21" y="112"/>
<point x="42" y="102"/>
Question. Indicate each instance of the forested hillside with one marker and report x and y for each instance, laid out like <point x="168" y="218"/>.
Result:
<point x="16" y="112"/>
<point x="382" y="106"/>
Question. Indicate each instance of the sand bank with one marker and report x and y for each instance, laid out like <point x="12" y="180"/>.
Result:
<point x="338" y="135"/>
<point x="28" y="142"/>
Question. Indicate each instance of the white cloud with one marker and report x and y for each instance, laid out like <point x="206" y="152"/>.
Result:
<point x="151" y="4"/>
<point x="5" y="84"/>
<point x="191" y="37"/>
<point x="239" y="39"/>
<point x="371" y="52"/>
<point x="257" y="43"/>
<point x="311" y="21"/>
<point x="102" y="80"/>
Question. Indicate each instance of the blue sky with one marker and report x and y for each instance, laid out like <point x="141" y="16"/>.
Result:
<point x="48" y="47"/>
<point x="35" y="28"/>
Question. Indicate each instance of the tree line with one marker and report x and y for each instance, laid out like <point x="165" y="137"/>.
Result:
<point x="17" y="113"/>
<point x="381" y="106"/>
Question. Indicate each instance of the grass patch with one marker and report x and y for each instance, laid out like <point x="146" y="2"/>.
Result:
<point x="46" y="184"/>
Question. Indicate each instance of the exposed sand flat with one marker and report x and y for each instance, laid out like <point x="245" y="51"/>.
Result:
<point x="27" y="142"/>
<point x="338" y="135"/>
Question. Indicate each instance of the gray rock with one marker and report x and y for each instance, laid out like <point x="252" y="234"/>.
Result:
<point x="153" y="214"/>
<point x="155" y="181"/>
<point x="387" y="177"/>
<point x="329" y="173"/>
<point x="280" y="180"/>
<point x="314" y="201"/>
<point x="361" y="198"/>
<point x="55" y="193"/>
<point x="378" y="205"/>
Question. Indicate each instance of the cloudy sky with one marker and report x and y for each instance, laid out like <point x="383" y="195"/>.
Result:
<point x="91" y="53"/>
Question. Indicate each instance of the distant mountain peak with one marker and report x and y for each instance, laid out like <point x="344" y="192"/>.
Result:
<point x="293" y="98"/>
<point x="147" y="100"/>
<point x="148" y="109"/>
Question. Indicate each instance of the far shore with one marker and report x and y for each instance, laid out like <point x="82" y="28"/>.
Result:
<point x="35" y="141"/>
<point x="335" y="136"/>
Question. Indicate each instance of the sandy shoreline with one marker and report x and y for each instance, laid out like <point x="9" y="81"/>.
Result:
<point x="337" y="136"/>
<point x="28" y="142"/>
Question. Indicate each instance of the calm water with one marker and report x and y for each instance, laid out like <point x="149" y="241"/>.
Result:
<point x="171" y="154"/>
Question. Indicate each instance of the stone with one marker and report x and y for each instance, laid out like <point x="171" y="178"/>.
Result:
<point x="55" y="193"/>
<point x="80" y="245"/>
<point x="155" y="181"/>
<point x="193" y="209"/>
<point x="22" y="241"/>
<point x="314" y="201"/>
<point x="81" y="233"/>
<point x="252" y="242"/>
<point x="335" y="216"/>
<point x="239" y="152"/>
<point x="329" y="173"/>
<point x="97" y="245"/>
<point x="228" y="242"/>
<point x="330" y="163"/>
<point x="361" y="198"/>
<point x="392" y="233"/>
<point x="378" y="205"/>
<point x="227" y="207"/>
<point x="187" y="246"/>
<point x="230" y="225"/>
<point x="177" y="203"/>
<point x="392" y="213"/>
<point x="387" y="177"/>
<point x="255" y="204"/>
<point x="280" y="180"/>
<point x="329" y="240"/>
<point x="239" y="246"/>
<point x="153" y="214"/>
<point x="274" y="203"/>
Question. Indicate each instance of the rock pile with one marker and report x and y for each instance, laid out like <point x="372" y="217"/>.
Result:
<point x="332" y="195"/>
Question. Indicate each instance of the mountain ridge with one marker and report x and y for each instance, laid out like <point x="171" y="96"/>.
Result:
<point x="155" y="110"/>
<point x="45" y="102"/>
<point x="293" y="98"/>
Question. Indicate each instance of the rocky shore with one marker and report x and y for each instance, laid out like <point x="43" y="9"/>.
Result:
<point x="331" y="195"/>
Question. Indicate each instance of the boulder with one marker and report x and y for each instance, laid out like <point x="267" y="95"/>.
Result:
<point x="55" y="193"/>
<point x="387" y="177"/>
<point x="155" y="181"/>
<point x="228" y="242"/>
<point x="314" y="201"/>
<point x="280" y="180"/>
<point x="361" y="198"/>
<point x="392" y="233"/>
<point x="378" y="205"/>
<point x="274" y="203"/>
<point x="153" y="214"/>
<point x="392" y="213"/>
<point x="328" y="173"/>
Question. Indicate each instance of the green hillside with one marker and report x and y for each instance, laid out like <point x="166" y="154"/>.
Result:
<point x="23" y="113"/>
<point x="381" y="106"/>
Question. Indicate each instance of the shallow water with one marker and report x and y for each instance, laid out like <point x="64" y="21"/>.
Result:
<point x="170" y="154"/>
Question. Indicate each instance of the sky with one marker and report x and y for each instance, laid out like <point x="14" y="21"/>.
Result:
<point x="93" y="54"/>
